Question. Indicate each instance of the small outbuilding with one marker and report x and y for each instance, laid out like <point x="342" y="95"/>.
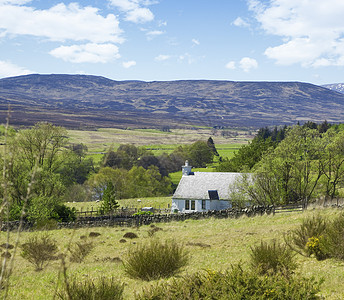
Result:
<point x="202" y="191"/>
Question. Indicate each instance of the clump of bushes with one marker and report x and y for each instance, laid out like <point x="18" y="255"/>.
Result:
<point x="90" y="289"/>
<point x="143" y="213"/>
<point x="155" y="259"/>
<point x="272" y="258"/>
<point x="234" y="284"/>
<point x="39" y="250"/>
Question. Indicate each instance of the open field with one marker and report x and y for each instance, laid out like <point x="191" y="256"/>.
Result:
<point x="101" y="140"/>
<point x="225" y="242"/>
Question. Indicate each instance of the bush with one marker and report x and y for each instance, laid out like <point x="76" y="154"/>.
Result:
<point x="317" y="247"/>
<point x="89" y="289"/>
<point x="39" y="250"/>
<point x="272" y="258"/>
<point x="298" y="238"/>
<point x="80" y="250"/>
<point x="334" y="238"/>
<point x="234" y="284"/>
<point x="155" y="260"/>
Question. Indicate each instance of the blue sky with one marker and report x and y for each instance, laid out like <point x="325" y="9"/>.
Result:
<point x="240" y="40"/>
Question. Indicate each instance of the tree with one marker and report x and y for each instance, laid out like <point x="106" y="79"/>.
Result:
<point x="109" y="203"/>
<point x="200" y="154"/>
<point x="212" y="147"/>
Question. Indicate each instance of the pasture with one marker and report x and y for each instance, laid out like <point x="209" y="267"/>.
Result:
<point x="100" y="141"/>
<point x="213" y="244"/>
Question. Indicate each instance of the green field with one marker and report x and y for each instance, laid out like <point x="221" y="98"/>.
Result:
<point x="228" y="242"/>
<point x="101" y="140"/>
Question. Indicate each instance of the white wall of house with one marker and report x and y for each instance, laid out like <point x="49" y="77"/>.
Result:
<point x="179" y="204"/>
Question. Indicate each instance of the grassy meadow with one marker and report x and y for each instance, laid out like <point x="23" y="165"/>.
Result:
<point x="101" y="140"/>
<point x="213" y="244"/>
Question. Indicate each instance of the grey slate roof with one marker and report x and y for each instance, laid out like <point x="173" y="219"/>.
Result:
<point x="196" y="186"/>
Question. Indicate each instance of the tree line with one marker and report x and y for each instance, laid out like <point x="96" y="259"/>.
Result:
<point x="307" y="163"/>
<point x="42" y="170"/>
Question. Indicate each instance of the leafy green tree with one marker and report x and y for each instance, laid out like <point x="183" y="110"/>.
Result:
<point x="109" y="204"/>
<point x="200" y="154"/>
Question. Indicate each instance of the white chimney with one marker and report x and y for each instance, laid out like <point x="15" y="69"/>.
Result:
<point x="186" y="170"/>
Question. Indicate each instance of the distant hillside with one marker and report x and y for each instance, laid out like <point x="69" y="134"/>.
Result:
<point x="337" y="87"/>
<point x="91" y="101"/>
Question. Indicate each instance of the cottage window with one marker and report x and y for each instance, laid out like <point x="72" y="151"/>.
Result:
<point x="187" y="204"/>
<point x="192" y="204"/>
<point x="203" y="204"/>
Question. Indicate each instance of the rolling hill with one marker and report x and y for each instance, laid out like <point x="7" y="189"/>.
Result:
<point x="81" y="101"/>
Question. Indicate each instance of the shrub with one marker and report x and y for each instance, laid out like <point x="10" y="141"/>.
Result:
<point x="89" y="289"/>
<point x="39" y="250"/>
<point x="298" y="238"/>
<point x="317" y="247"/>
<point x="155" y="260"/>
<point x="272" y="258"/>
<point x="233" y="284"/>
<point x="334" y="238"/>
<point x="80" y="250"/>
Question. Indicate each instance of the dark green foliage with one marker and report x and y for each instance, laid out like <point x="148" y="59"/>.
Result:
<point x="235" y="284"/>
<point x="212" y="147"/>
<point x="130" y="235"/>
<point x="312" y="227"/>
<point x="91" y="289"/>
<point x="109" y="204"/>
<point x="272" y="258"/>
<point x="200" y="154"/>
<point x="42" y="209"/>
<point x="155" y="260"/>
<point x="39" y="250"/>
<point x="80" y="250"/>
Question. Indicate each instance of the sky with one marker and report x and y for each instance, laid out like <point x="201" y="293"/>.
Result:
<point x="155" y="40"/>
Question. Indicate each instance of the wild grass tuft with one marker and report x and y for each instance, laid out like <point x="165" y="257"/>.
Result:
<point x="90" y="289"/>
<point x="154" y="260"/>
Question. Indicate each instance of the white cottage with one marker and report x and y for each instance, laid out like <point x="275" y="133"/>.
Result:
<point x="201" y="191"/>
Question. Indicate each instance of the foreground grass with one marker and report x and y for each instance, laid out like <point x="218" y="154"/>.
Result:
<point x="213" y="244"/>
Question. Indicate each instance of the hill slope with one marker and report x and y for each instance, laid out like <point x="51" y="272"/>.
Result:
<point x="83" y="100"/>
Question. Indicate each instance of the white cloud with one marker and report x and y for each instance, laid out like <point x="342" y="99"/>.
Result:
<point x="240" y="22"/>
<point x="128" y="64"/>
<point x="195" y="42"/>
<point x="311" y="31"/>
<point x="60" y="23"/>
<point x="162" y="57"/>
<point x="247" y="63"/>
<point x="8" y="69"/>
<point x="135" y="10"/>
<point x="151" y="34"/>
<point x="88" y="53"/>
<point x="140" y="15"/>
<point x="231" y="65"/>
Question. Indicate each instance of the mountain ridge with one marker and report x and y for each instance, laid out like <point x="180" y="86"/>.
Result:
<point x="96" y="101"/>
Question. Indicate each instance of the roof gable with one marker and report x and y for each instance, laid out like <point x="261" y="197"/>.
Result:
<point x="197" y="186"/>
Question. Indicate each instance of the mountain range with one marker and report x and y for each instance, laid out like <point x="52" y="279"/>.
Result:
<point x="85" y="101"/>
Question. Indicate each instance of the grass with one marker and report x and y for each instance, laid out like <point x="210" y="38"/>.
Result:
<point x="156" y="202"/>
<point x="228" y="242"/>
